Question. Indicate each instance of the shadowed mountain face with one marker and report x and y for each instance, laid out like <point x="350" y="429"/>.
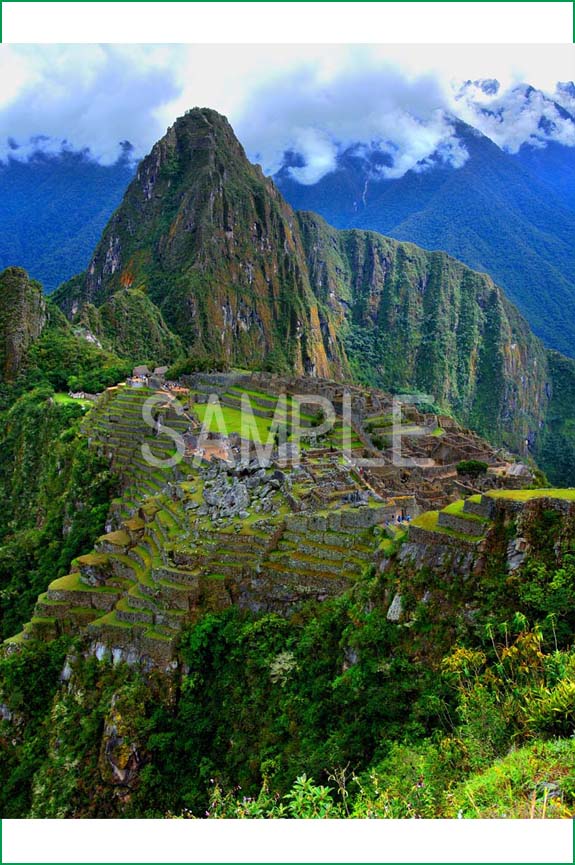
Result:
<point x="241" y="278"/>
<point x="511" y="216"/>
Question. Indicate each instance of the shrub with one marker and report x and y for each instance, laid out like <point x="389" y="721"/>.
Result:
<point x="472" y="468"/>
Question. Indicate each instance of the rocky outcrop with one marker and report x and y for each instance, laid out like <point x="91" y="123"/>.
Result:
<point x="22" y="319"/>
<point x="459" y="542"/>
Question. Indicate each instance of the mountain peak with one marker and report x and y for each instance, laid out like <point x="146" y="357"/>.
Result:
<point x="213" y="244"/>
<point x="201" y="129"/>
<point x="200" y="140"/>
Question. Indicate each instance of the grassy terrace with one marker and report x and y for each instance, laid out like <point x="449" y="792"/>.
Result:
<point x="117" y="539"/>
<point x="232" y="423"/>
<point x="269" y="399"/>
<point x="111" y="620"/>
<point x="73" y="583"/>
<point x="456" y="508"/>
<point x="527" y="495"/>
<point x="238" y="391"/>
<point x="429" y="522"/>
<point x="64" y="399"/>
<point x="232" y="419"/>
<point x="70" y="583"/>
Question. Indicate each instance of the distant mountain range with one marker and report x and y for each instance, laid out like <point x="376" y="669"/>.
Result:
<point x="511" y="215"/>
<point x="53" y="210"/>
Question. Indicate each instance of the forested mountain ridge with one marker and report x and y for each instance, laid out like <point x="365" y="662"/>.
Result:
<point x="53" y="210"/>
<point x="507" y="213"/>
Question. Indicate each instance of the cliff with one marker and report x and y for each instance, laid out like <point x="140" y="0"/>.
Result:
<point x="416" y="319"/>
<point x="22" y="319"/>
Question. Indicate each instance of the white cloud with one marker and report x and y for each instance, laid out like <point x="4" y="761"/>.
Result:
<point x="405" y="118"/>
<point x="83" y="98"/>
<point x="565" y="95"/>
<point x="517" y="116"/>
<point x="316" y="100"/>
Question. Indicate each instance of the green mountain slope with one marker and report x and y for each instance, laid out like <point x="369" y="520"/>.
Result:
<point x="213" y="244"/>
<point x="22" y="318"/>
<point x="414" y="319"/>
<point x="434" y="689"/>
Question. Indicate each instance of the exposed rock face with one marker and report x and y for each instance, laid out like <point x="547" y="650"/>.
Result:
<point x="120" y="758"/>
<point x="22" y="319"/>
<point x="395" y="609"/>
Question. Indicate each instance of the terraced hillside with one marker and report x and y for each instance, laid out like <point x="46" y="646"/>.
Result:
<point x="198" y="536"/>
<point x="211" y="520"/>
<point x="116" y="426"/>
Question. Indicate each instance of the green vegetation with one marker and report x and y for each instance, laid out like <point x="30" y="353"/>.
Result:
<point x="527" y="495"/>
<point x="426" y="520"/>
<point x="22" y="318"/>
<point x="457" y="347"/>
<point x="232" y="421"/>
<point x="461" y="701"/>
<point x="65" y="399"/>
<point x="333" y="692"/>
<point x="502" y="220"/>
<point x="55" y="494"/>
<point x="534" y="782"/>
<point x="69" y="362"/>
<point x="555" y="446"/>
<point x="419" y="343"/>
<point x="429" y="521"/>
<point x="54" y="209"/>
<point x="457" y="509"/>
<point x="342" y="713"/>
<point x="196" y="361"/>
<point x="472" y="468"/>
<point x="129" y="324"/>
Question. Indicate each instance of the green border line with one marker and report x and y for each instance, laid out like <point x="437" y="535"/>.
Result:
<point x="298" y="1"/>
